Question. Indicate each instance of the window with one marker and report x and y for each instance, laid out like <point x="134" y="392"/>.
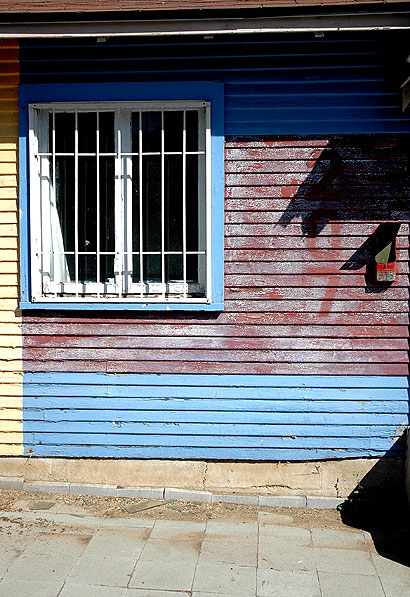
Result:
<point x="121" y="201"/>
<point x="124" y="205"/>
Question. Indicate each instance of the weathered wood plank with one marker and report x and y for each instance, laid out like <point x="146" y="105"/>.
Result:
<point x="263" y="165"/>
<point x="214" y="390"/>
<point x="206" y="368"/>
<point x="9" y="68"/>
<point x="110" y="408"/>
<point x="209" y="342"/>
<point x="7" y="155"/>
<point x="272" y="233"/>
<point x="200" y="422"/>
<point x="260" y="275"/>
<point x="10" y="410"/>
<point x="8" y="217"/>
<point x="239" y="318"/>
<point x="8" y="256"/>
<point x="222" y="441"/>
<point x="8" y="168"/>
<point x="7" y="180"/>
<point x="330" y="262"/>
<point x="9" y="130"/>
<point x="39" y="332"/>
<point x="283" y="151"/>
<point x="9" y="243"/>
<point x="8" y="266"/>
<point x="11" y="377"/>
<point x="7" y="304"/>
<point x="194" y="381"/>
<point x="325" y="306"/>
<point x="238" y="292"/>
<point x="8" y="292"/>
<point x="8" y="90"/>
<point x="8" y="279"/>
<point x="112" y="355"/>
<point x="8" y="193"/>
<point x="292" y="190"/>
<point x="348" y="142"/>
<point x="310" y="254"/>
<point x="334" y="228"/>
<point x="108" y="450"/>
<point x="8" y="209"/>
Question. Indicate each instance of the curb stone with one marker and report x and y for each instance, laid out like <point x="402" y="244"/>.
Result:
<point x="286" y="501"/>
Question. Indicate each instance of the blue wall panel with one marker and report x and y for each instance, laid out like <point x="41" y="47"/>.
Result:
<point x="275" y="84"/>
<point x="213" y="416"/>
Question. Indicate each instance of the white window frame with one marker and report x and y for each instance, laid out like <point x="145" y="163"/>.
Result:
<point x="117" y="292"/>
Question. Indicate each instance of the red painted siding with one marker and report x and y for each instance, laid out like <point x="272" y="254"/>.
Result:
<point x="299" y="214"/>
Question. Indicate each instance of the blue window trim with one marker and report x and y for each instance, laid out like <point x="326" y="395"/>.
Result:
<point x="77" y="92"/>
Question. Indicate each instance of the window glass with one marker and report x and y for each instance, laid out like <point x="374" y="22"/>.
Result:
<point x="62" y="223"/>
<point x="65" y="203"/>
<point x="106" y="129"/>
<point x="192" y="124"/>
<point x="174" y="271"/>
<point x="87" y="132"/>
<point x="64" y="132"/>
<point x="151" y="131"/>
<point x="151" y="203"/>
<point x="192" y="198"/>
<point x="135" y="132"/>
<point x="107" y="217"/>
<point x="173" y="204"/>
<point x="173" y="131"/>
<point x="152" y="268"/>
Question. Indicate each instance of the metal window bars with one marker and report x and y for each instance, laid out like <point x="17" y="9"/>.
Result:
<point x="125" y="218"/>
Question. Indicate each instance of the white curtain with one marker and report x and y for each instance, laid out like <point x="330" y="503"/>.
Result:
<point x="54" y="264"/>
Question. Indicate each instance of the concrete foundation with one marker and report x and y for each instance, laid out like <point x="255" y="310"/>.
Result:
<point x="332" y="478"/>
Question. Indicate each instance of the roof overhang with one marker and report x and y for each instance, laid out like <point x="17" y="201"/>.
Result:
<point x="138" y="24"/>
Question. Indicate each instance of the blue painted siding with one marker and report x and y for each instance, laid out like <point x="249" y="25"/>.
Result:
<point x="269" y="417"/>
<point x="275" y="84"/>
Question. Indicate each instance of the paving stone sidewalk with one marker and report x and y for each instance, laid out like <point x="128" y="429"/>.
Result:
<point x="50" y="554"/>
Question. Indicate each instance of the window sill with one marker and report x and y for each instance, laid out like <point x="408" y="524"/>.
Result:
<point x="111" y="306"/>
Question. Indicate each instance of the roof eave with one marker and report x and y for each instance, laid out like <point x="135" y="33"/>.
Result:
<point x="342" y="20"/>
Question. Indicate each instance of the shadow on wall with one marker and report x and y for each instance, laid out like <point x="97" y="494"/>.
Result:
<point x="378" y="505"/>
<point x="359" y="180"/>
<point x="354" y="180"/>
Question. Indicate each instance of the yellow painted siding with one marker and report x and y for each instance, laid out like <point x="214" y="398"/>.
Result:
<point x="11" y="395"/>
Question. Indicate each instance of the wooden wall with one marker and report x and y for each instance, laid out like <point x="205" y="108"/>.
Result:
<point x="11" y="425"/>
<point x="300" y="214"/>
<point x="274" y="84"/>
<point x="309" y="359"/>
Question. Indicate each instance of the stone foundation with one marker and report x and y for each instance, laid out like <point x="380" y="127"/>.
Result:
<point x="331" y="478"/>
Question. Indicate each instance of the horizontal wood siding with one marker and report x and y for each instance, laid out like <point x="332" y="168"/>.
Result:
<point x="275" y="84"/>
<point x="11" y="425"/>
<point x="277" y="374"/>
<point x="308" y="359"/>
<point x="225" y="416"/>
<point x="296" y="295"/>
